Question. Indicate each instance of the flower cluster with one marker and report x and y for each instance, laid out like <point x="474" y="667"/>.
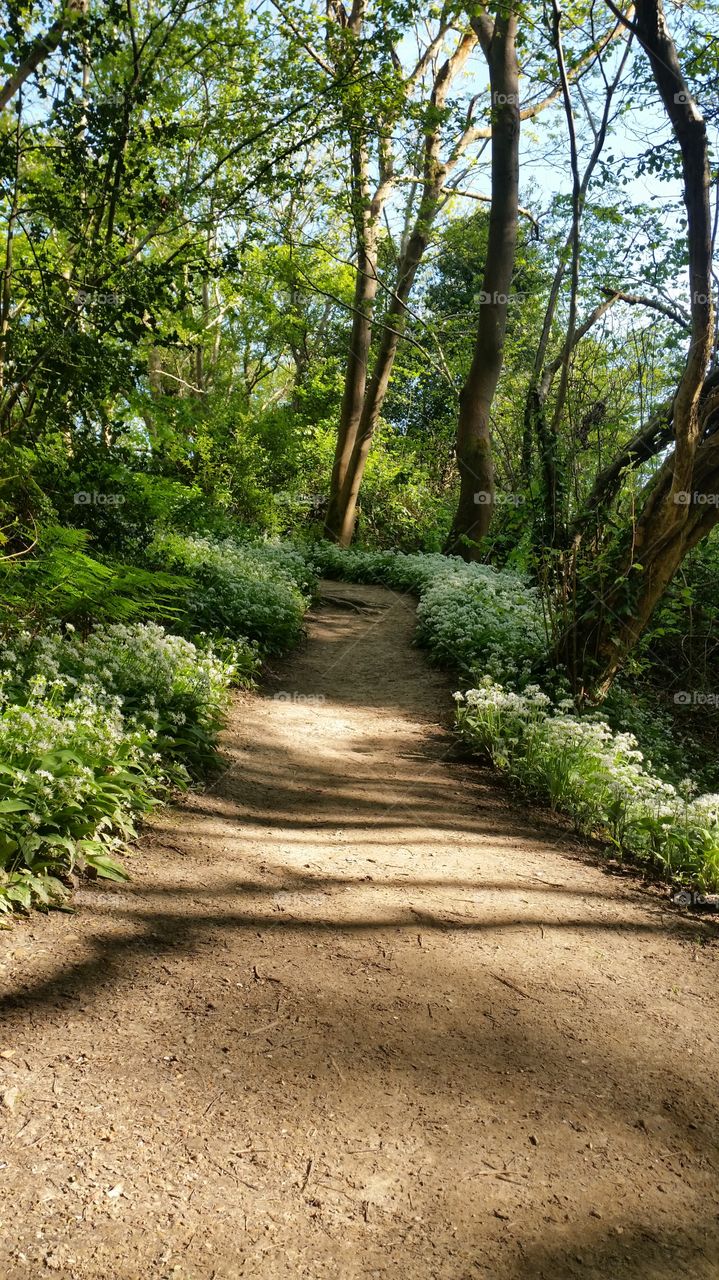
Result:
<point x="475" y="618"/>
<point x="598" y="777"/>
<point x="163" y="681"/>
<point x="258" y="590"/>
<point x="74" y="771"/>
<point x="91" y="733"/>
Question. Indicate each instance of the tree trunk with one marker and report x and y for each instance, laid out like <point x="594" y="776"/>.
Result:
<point x="474" y="446"/>
<point x="609" y="624"/>
<point x="377" y="390"/>
<point x="360" y="341"/>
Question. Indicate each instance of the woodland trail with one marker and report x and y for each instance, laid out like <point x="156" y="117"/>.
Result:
<point x="358" y="1014"/>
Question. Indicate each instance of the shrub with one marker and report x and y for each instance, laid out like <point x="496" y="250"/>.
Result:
<point x="474" y="617"/>
<point x="73" y="775"/>
<point x="256" y="590"/>
<point x="164" y="681"/>
<point x="91" y="734"/>
<point x="596" y="776"/>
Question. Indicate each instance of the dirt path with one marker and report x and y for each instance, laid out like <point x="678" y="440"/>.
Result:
<point x="358" y="1016"/>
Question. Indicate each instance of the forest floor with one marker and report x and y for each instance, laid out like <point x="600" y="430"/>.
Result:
<point x="359" y="1013"/>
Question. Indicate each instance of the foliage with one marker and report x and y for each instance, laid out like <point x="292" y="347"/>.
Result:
<point x="59" y="579"/>
<point x="92" y="733"/>
<point x="257" y="590"/>
<point x="598" y="777"/>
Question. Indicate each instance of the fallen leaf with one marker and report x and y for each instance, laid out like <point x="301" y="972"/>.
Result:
<point x="9" y="1098"/>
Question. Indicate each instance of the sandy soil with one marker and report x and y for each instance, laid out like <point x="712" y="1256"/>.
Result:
<point x="359" y="1014"/>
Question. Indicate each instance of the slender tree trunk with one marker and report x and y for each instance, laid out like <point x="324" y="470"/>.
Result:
<point x="355" y="383"/>
<point x="474" y="447"/>
<point x="550" y="528"/>
<point x="549" y="524"/>
<point x="379" y="384"/>
<point x="555" y="465"/>
<point x="7" y="271"/>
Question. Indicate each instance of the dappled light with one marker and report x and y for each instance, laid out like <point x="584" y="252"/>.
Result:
<point x="354" y="1000"/>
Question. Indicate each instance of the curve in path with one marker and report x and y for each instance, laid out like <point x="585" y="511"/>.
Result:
<point x="358" y="1015"/>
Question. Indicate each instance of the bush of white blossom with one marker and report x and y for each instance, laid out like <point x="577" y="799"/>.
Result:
<point x="473" y="617"/>
<point x="256" y="590"/>
<point x="91" y="730"/>
<point x="164" y="681"/>
<point x="73" y="773"/>
<point x="598" y="777"/>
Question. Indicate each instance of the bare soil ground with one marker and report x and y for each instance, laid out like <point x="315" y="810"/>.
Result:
<point x="357" y="1015"/>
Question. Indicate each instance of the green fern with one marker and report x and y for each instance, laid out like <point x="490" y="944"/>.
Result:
<point x="59" y="579"/>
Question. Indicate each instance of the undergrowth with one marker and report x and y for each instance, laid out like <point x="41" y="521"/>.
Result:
<point x="103" y="711"/>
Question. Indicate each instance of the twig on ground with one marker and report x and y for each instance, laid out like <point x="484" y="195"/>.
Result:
<point x="308" y="1174"/>
<point x="513" y="987"/>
